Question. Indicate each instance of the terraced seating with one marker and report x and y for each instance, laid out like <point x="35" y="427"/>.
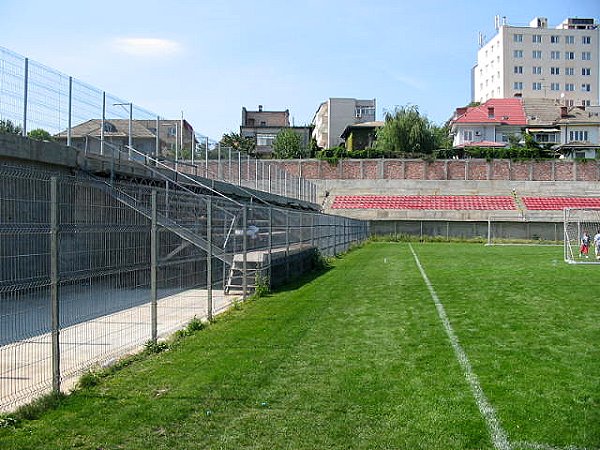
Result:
<point x="558" y="203"/>
<point x="426" y="202"/>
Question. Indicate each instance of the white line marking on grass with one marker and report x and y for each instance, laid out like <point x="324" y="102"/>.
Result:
<point x="499" y="436"/>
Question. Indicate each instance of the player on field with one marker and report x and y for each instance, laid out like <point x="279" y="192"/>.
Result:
<point x="585" y="245"/>
<point x="597" y="244"/>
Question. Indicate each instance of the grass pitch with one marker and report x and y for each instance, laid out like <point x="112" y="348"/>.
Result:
<point x="359" y="358"/>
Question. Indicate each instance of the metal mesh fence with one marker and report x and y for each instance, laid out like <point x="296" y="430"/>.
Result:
<point x="36" y="97"/>
<point x="91" y="269"/>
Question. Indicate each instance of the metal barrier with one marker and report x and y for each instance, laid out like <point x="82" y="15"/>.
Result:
<point x="36" y="97"/>
<point x="91" y="269"/>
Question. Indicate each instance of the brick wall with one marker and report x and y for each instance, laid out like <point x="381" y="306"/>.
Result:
<point x="469" y="170"/>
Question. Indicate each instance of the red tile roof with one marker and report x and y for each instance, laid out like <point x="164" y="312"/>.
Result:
<point x="506" y="111"/>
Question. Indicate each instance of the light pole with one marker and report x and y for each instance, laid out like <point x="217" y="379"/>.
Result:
<point x="130" y="140"/>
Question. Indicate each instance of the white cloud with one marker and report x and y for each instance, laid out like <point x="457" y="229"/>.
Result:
<point x="147" y="47"/>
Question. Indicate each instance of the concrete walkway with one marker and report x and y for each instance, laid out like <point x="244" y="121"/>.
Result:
<point x="26" y="365"/>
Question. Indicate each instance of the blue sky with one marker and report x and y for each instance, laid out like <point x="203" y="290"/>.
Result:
<point x="210" y="58"/>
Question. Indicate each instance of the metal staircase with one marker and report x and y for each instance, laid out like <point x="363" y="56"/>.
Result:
<point x="184" y="233"/>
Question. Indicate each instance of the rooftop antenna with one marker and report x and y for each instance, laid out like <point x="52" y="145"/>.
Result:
<point x="480" y="39"/>
<point x="497" y="22"/>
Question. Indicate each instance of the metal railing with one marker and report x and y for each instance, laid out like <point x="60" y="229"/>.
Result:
<point x="92" y="269"/>
<point x="36" y="97"/>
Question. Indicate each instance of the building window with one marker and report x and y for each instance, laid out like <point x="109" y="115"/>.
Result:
<point x="536" y="70"/>
<point x="518" y="85"/>
<point x="265" y="139"/>
<point x="518" y="53"/>
<point x="569" y="55"/>
<point x="554" y="39"/>
<point x="544" y="137"/>
<point x="364" y="111"/>
<point x="586" y="87"/>
<point x="554" y="70"/>
<point x="517" y="38"/>
<point x="586" y="71"/>
<point x="467" y="135"/>
<point x="586" y="102"/>
<point x="569" y="102"/>
<point x="555" y="86"/>
<point x="536" y="38"/>
<point x="569" y="39"/>
<point x="569" y="87"/>
<point x="586" y="39"/>
<point x="578" y="135"/>
<point x="536" y="86"/>
<point x="554" y="55"/>
<point x="537" y="54"/>
<point x="586" y="56"/>
<point x="518" y="69"/>
<point x="569" y="71"/>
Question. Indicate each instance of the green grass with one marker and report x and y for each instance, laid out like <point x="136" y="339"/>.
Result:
<point x="358" y="358"/>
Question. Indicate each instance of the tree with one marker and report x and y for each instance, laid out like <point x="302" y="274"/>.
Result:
<point x="40" y="134"/>
<point x="406" y="132"/>
<point x="7" y="127"/>
<point x="239" y="143"/>
<point x="288" y="144"/>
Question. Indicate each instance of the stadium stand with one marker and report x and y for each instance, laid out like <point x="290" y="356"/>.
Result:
<point x="425" y="202"/>
<point x="559" y="203"/>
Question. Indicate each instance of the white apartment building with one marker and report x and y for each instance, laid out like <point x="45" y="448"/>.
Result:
<point x="335" y="114"/>
<point x="559" y="63"/>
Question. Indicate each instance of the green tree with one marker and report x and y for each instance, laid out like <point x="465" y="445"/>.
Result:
<point x="7" y="127"/>
<point x="238" y="142"/>
<point x="40" y="134"/>
<point x="406" y="133"/>
<point x="288" y="144"/>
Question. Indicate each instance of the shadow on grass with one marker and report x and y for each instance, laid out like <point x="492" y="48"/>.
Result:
<point x="299" y="281"/>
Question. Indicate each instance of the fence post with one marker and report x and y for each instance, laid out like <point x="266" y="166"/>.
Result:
<point x="270" y="244"/>
<point x="25" y="89"/>
<point x="287" y="244"/>
<point x="244" y="252"/>
<point x="153" y="271"/>
<point x="209" y="312"/>
<point x="70" y="112"/>
<point x="54" y="279"/>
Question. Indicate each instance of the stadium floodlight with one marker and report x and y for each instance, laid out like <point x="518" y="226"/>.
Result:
<point x="578" y="221"/>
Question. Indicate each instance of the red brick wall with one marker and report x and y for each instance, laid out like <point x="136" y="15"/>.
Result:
<point x="564" y="171"/>
<point x="456" y="170"/>
<point x="500" y="170"/>
<point x="476" y="169"/>
<point x="436" y="170"/>
<point x="370" y="170"/>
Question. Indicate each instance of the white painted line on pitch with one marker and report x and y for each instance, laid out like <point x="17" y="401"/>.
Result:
<point x="499" y="436"/>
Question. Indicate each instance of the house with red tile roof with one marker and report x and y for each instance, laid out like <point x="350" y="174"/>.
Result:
<point x="489" y="124"/>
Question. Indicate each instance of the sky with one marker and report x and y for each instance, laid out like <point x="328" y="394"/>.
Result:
<point x="208" y="59"/>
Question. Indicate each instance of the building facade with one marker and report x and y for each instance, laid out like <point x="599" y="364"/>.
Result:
<point x="572" y="131"/>
<point x="263" y="126"/>
<point x="335" y="114"/>
<point x="535" y="61"/>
